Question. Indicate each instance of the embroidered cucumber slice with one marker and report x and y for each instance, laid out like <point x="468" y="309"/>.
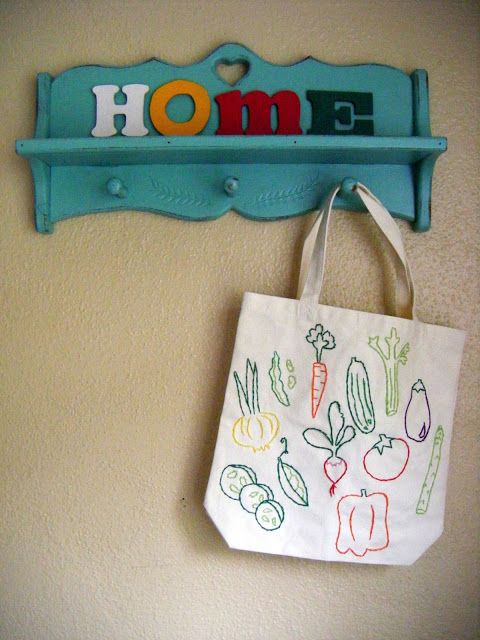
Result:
<point x="270" y="515"/>
<point x="253" y="494"/>
<point x="268" y="490"/>
<point x="234" y="478"/>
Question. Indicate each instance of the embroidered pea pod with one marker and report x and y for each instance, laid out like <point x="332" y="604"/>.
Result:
<point x="362" y="523"/>
<point x="417" y="413"/>
<point x="291" y="481"/>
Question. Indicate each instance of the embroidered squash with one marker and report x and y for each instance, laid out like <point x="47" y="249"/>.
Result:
<point x="362" y="523"/>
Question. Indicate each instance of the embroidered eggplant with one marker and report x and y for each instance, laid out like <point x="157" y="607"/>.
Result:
<point x="417" y="414"/>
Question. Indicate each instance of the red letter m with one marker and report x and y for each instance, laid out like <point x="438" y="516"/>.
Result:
<point x="259" y="106"/>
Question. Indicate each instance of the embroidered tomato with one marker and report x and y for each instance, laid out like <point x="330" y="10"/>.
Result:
<point x="387" y="459"/>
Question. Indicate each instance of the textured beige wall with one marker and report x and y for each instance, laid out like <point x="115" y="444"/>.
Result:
<point x="117" y="331"/>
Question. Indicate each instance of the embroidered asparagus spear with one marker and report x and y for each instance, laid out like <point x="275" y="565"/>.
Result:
<point x="320" y="339"/>
<point x="427" y="486"/>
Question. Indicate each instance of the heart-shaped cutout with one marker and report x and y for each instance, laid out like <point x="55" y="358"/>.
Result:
<point x="232" y="72"/>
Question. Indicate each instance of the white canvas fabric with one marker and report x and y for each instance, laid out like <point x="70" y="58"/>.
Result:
<point x="335" y="433"/>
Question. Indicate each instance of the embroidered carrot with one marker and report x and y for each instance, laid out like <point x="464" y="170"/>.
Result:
<point x="320" y="339"/>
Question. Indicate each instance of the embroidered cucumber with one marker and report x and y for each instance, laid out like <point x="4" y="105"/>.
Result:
<point x="252" y="495"/>
<point x="359" y="397"/>
<point x="234" y="478"/>
<point x="427" y="486"/>
<point x="270" y="515"/>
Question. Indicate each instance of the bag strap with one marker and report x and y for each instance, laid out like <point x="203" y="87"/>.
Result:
<point x="315" y="246"/>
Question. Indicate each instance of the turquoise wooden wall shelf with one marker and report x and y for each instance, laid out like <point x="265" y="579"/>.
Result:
<point x="181" y="141"/>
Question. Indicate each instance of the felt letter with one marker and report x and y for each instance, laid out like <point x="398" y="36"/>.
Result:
<point x="132" y="110"/>
<point x="331" y="118"/>
<point x="259" y="105"/>
<point x="162" y="96"/>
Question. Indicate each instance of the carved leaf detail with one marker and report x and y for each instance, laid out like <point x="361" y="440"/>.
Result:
<point x="282" y="195"/>
<point x="177" y="196"/>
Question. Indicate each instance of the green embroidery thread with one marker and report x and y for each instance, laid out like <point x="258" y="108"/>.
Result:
<point x="292" y="380"/>
<point x="234" y="478"/>
<point x="431" y="475"/>
<point x="290" y="479"/>
<point x="391" y="360"/>
<point x="239" y="482"/>
<point x="359" y="397"/>
<point x="278" y="387"/>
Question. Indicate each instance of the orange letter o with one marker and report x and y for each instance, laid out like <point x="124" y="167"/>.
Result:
<point x="165" y="93"/>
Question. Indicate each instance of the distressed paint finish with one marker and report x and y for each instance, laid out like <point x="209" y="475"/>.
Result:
<point x="277" y="176"/>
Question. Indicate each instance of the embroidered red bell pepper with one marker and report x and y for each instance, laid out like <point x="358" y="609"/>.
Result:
<point x="362" y="523"/>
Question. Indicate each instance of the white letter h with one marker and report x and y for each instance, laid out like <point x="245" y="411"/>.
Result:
<point x="132" y="110"/>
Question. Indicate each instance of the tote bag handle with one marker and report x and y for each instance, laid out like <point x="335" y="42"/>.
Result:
<point x="315" y="247"/>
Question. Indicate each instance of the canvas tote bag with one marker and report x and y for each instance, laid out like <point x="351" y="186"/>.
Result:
<point x="334" y="438"/>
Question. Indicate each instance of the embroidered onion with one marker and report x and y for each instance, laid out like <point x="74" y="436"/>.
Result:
<point x="256" y="431"/>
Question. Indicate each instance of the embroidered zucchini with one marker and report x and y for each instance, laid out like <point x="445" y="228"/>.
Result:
<point x="359" y="397"/>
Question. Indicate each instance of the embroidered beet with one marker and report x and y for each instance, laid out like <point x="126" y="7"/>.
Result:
<point x="337" y="436"/>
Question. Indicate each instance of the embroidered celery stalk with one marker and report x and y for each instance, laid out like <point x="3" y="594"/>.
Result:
<point x="392" y="358"/>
